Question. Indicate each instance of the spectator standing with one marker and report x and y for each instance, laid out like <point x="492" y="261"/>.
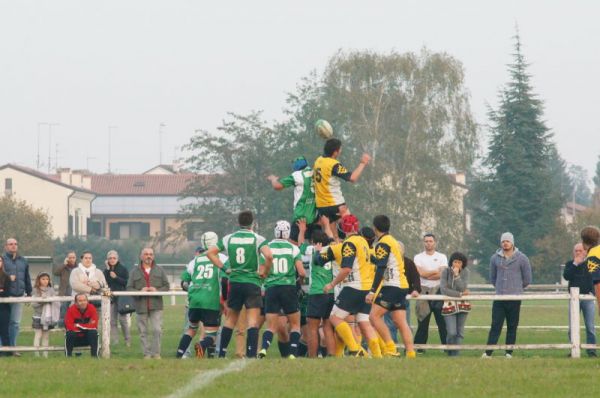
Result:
<point x="4" y="307"/>
<point x="81" y="324"/>
<point x="45" y="315"/>
<point x="454" y="283"/>
<point x="429" y="264"/>
<point x="590" y="237"/>
<point x="577" y="274"/>
<point x="63" y="271"/>
<point x="149" y="277"/>
<point x="17" y="269"/>
<point x="116" y="276"/>
<point x="86" y="278"/>
<point x="510" y="273"/>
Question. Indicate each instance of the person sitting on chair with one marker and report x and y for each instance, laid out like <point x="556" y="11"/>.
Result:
<point x="81" y="323"/>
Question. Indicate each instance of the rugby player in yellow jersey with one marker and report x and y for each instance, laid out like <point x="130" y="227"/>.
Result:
<point x="327" y="175"/>
<point x="391" y="295"/>
<point x="356" y="276"/>
<point x="590" y="238"/>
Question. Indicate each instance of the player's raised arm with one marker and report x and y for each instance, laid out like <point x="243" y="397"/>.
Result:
<point x="278" y="186"/>
<point x="364" y="161"/>
<point x="213" y="256"/>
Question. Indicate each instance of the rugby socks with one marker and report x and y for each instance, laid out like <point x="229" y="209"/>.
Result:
<point x="390" y="347"/>
<point x="374" y="347"/>
<point x="266" y="340"/>
<point x="251" y="342"/>
<point x="382" y="345"/>
<point x="345" y="332"/>
<point x="225" y="338"/>
<point x="284" y="348"/>
<point x="208" y="340"/>
<point x="302" y="349"/>
<point x="323" y="351"/>
<point x="184" y="344"/>
<point x="294" y="342"/>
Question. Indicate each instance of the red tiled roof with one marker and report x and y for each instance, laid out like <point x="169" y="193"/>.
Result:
<point x="140" y="184"/>
<point x="47" y="177"/>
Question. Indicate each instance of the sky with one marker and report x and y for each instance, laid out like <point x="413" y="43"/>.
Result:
<point x="128" y="66"/>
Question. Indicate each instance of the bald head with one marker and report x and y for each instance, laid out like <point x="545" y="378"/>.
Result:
<point x="579" y="253"/>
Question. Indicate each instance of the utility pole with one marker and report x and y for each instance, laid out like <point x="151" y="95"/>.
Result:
<point x="50" y="125"/>
<point x="160" y="134"/>
<point x="40" y="124"/>
<point x="110" y="129"/>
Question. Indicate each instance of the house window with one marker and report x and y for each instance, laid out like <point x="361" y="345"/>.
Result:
<point x="8" y="186"/>
<point x="129" y="230"/>
<point x="70" y="225"/>
<point x="94" y="228"/>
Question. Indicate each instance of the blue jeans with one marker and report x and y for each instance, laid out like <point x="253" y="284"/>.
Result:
<point x="455" y="327"/>
<point x="16" y="311"/>
<point x="588" y="309"/>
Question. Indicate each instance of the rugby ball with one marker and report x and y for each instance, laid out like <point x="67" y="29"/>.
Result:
<point x="324" y="129"/>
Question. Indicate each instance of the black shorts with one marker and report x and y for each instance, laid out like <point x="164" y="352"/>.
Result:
<point x="243" y="295"/>
<point x="392" y="298"/>
<point x="353" y="301"/>
<point x="278" y="298"/>
<point x="332" y="212"/>
<point x="207" y="317"/>
<point x="310" y="228"/>
<point x="319" y="306"/>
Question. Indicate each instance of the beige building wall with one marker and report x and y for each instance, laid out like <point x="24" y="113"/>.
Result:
<point x="43" y="195"/>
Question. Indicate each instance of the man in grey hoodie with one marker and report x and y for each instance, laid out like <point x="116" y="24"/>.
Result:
<point x="510" y="273"/>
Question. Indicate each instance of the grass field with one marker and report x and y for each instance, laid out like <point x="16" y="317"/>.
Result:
<point x="545" y="373"/>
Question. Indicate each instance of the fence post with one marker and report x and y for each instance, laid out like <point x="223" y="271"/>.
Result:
<point x="105" y="342"/>
<point x="574" y="323"/>
<point x="173" y="298"/>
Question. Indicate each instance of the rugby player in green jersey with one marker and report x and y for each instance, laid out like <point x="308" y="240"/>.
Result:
<point x="243" y="248"/>
<point x="202" y="280"/>
<point x="304" y="196"/>
<point x="319" y="303"/>
<point x="280" y="285"/>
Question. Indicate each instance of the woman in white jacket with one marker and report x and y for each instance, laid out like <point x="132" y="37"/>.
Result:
<point x="86" y="278"/>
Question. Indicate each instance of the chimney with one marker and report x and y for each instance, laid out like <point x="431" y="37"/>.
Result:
<point x="87" y="182"/>
<point x="76" y="178"/>
<point x="65" y="175"/>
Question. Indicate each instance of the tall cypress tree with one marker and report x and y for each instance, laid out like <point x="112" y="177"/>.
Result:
<point x="517" y="191"/>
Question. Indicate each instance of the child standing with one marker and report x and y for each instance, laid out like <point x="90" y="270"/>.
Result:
<point x="45" y="315"/>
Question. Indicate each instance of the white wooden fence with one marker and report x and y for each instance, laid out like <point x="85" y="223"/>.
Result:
<point x="574" y="297"/>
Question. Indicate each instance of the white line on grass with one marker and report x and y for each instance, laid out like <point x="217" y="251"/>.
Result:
<point x="204" y="378"/>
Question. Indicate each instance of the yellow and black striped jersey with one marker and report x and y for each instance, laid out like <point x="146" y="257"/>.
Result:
<point x="388" y="254"/>
<point x="327" y="173"/>
<point x="593" y="263"/>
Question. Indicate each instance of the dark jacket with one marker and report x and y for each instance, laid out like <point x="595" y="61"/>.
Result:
<point x="119" y="283"/>
<point x="19" y="267"/>
<point x="579" y="276"/>
<point x="63" y="271"/>
<point x="4" y="284"/>
<point x="412" y="275"/>
<point x="137" y="281"/>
